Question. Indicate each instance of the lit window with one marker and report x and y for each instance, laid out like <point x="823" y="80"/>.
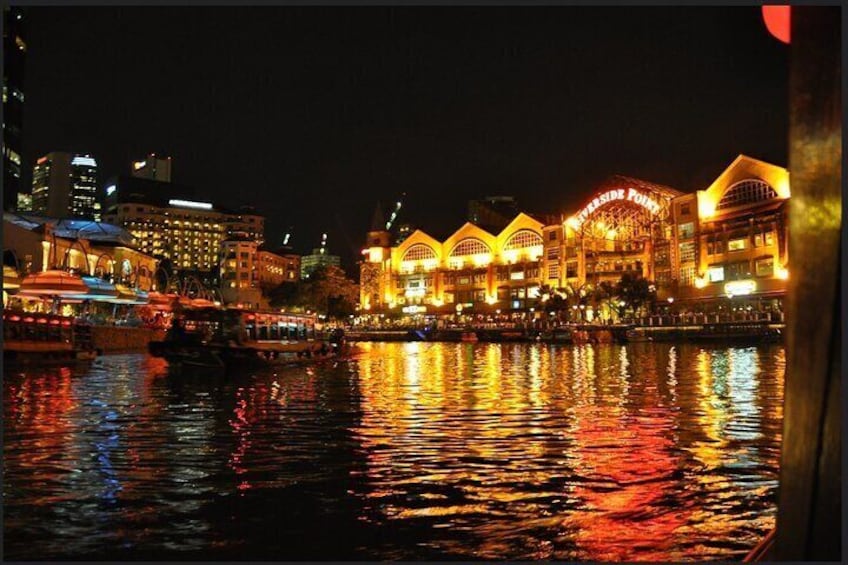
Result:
<point x="765" y="267"/>
<point x="737" y="244"/>
<point x="715" y="273"/>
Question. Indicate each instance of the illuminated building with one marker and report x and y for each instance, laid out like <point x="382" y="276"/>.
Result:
<point x="247" y="269"/>
<point x="318" y="258"/>
<point x="741" y="234"/>
<point x="90" y="248"/>
<point x="14" y="55"/>
<point x="170" y="223"/>
<point x="24" y="202"/>
<point x="726" y="241"/>
<point x="65" y="184"/>
<point x="152" y="168"/>
<point x="277" y="267"/>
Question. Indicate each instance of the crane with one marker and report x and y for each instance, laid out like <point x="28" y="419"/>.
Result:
<point x="393" y="217"/>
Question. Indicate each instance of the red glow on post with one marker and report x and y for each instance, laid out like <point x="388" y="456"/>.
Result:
<point x="777" y="21"/>
<point x="251" y="317"/>
<point x="42" y="320"/>
<point x="29" y="319"/>
<point x="15" y="318"/>
<point x="66" y="322"/>
<point x="54" y="322"/>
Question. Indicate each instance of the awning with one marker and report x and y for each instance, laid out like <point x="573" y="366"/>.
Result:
<point x="52" y="283"/>
<point x="126" y="295"/>
<point x="98" y="290"/>
<point x="165" y="302"/>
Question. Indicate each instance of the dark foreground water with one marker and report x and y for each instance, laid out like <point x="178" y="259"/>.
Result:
<point x="412" y="451"/>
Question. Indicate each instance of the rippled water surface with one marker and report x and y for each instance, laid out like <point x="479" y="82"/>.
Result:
<point x="411" y="451"/>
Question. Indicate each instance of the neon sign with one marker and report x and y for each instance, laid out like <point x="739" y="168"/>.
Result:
<point x="190" y="204"/>
<point x="629" y="195"/>
<point x="740" y="288"/>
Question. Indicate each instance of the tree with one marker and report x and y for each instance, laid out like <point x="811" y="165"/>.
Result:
<point x="327" y="291"/>
<point x="635" y="291"/>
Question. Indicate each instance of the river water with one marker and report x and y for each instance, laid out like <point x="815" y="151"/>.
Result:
<point x="414" y="451"/>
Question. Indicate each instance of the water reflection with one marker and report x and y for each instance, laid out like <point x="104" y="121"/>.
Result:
<point x="411" y="451"/>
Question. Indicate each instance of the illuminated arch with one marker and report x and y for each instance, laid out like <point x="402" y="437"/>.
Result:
<point x="419" y="252"/>
<point x="469" y="246"/>
<point x="747" y="191"/>
<point x="523" y="239"/>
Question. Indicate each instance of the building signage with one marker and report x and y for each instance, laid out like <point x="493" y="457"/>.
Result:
<point x="740" y="288"/>
<point x="629" y="195"/>
<point x="110" y="190"/>
<point x="190" y="204"/>
<point x="414" y="309"/>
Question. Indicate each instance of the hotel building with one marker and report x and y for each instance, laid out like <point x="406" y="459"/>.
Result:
<point x="729" y="240"/>
<point x="169" y="223"/>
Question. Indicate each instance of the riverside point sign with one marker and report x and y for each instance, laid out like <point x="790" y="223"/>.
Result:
<point x="629" y="195"/>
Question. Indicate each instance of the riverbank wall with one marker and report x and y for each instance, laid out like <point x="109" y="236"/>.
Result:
<point x="115" y="339"/>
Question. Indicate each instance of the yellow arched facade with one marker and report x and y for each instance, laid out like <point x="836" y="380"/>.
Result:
<point x="726" y="240"/>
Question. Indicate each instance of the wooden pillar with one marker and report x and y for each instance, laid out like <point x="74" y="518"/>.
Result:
<point x="809" y="506"/>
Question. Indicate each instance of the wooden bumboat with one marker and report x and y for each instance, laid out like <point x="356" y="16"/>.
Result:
<point x="45" y="338"/>
<point x="218" y="338"/>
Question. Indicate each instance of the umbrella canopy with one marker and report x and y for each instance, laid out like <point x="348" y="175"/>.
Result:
<point x="165" y="302"/>
<point x="53" y="283"/>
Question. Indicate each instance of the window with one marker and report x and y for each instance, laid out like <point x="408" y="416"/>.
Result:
<point x="744" y="192"/>
<point x="737" y="244"/>
<point x="710" y="247"/>
<point x="738" y="270"/>
<point x="687" y="252"/>
<point x="523" y="239"/>
<point x="686" y="230"/>
<point x="553" y="271"/>
<point x="469" y="246"/>
<point x="685" y="209"/>
<point x="571" y="270"/>
<point x="765" y="267"/>
<point x="769" y="238"/>
<point x="687" y="276"/>
<point x="517" y="276"/>
<point x="758" y="240"/>
<point x="553" y="253"/>
<point x="715" y="273"/>
<point x="552" y="236"/>
<point x="719" y="246"/>
<point x="419" y="252"/>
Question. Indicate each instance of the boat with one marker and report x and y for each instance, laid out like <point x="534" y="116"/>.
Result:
<point x="45" y="338"/>
<point x="469" y="337"/>
<point x="226" y="338"/>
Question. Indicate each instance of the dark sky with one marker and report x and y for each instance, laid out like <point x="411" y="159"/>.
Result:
<point x="313" y="114"/>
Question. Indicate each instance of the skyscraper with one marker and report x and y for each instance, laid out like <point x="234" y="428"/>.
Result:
<point x="65" y="185"/>
<point x="153" y="168"/>
<point x="14" y="53"/>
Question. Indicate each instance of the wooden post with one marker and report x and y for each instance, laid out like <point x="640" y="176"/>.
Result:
<point x="809" y="507"/>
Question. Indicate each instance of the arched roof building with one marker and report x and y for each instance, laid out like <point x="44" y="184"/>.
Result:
<point x="726" y="240"/>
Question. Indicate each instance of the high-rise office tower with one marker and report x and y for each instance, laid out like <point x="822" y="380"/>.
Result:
<point x="65" y="185"/>
<point x="153" y="168"/>
<point x="14" y="53"/>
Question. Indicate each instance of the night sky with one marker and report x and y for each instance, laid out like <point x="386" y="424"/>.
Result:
<point x="313" y="114"/>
